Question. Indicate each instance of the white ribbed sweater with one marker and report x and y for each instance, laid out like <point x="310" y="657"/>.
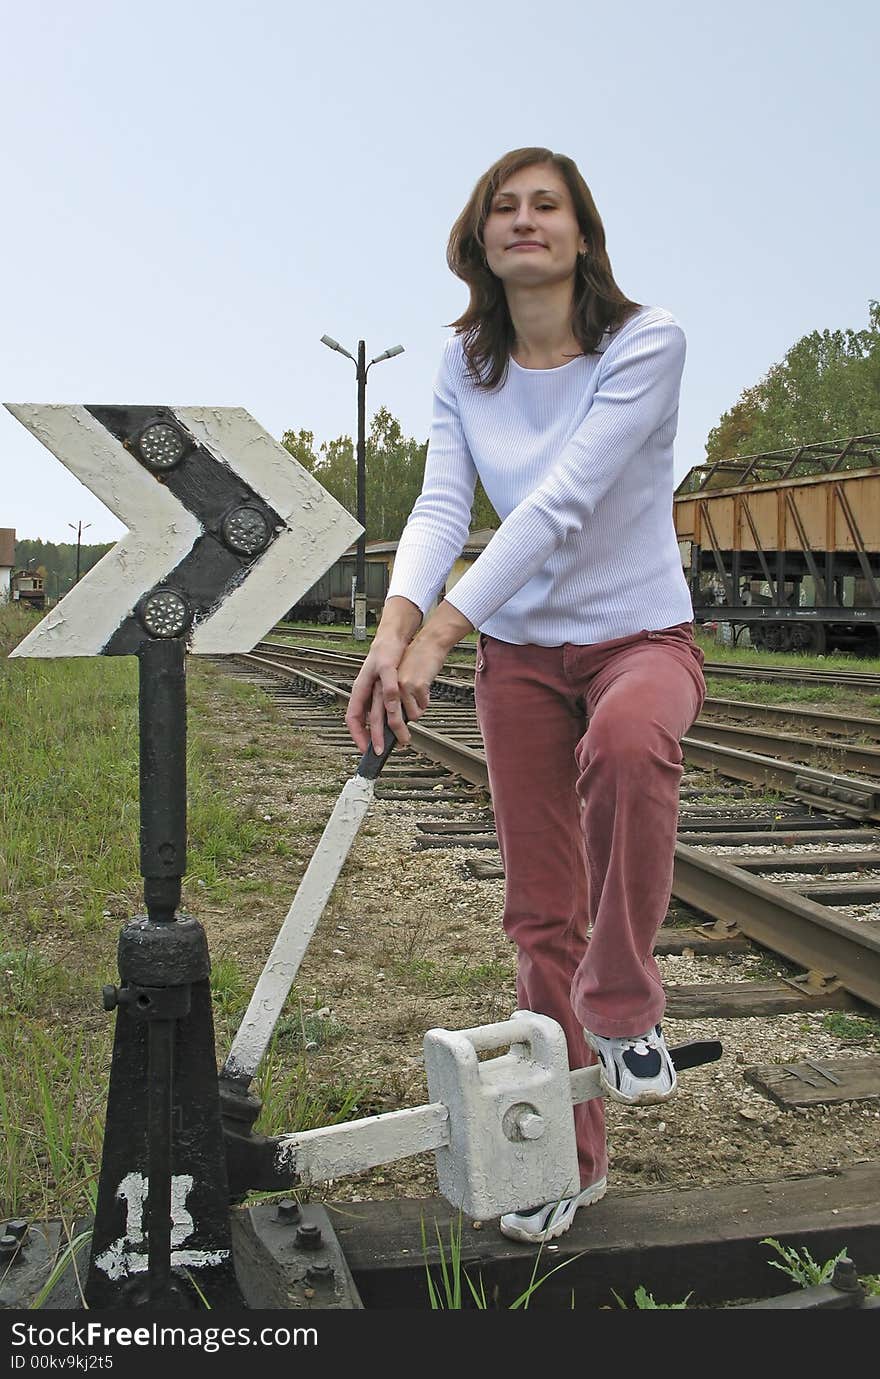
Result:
<point x="577" y="461"/>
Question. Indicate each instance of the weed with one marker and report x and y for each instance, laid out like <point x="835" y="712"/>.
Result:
<point x="309" y="1030"/>
<point x="645" y="1302"/>
<point x="51" y="1114"/>
<point x="799" y="1264"/>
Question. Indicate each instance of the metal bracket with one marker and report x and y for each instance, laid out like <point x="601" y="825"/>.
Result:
<point x="814" y="983"/>
<point x="859" y="803"/>
<point x="795" y="1071"/>
<point x="287" y="1255"/>
<point x="721" y="930"/>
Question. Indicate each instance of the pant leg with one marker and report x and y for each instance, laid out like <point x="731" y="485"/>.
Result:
<point x="642" y="695"/>
<point x="531" y="725"/>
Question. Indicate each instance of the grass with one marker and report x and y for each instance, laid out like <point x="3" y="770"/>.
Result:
<point x="453" y="1284"/>
<point x="790" y="660"/>
<point x="853" y="1029"/>
<point x="767" y="693"/>
<point x="427" y="975"/>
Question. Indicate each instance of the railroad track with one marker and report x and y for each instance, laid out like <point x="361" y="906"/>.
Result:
<point x="719" y="906"/>
<point x="838" y="954"/>
<point x="856" y="679"/>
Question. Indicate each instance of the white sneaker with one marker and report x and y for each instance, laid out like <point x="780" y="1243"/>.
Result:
<point x="637" y="1071"/>
<point x="537" y="1224"/>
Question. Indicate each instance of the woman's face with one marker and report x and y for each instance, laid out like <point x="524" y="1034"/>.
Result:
<point x="531" y="235"/>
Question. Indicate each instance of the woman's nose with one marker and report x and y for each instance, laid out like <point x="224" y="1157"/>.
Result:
<point x="523" y="219"/>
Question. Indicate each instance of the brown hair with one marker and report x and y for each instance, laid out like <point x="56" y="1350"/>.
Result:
<point x="486" y="326"/>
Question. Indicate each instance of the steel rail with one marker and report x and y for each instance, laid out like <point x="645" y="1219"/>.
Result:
<point x="856" y="798"/>
<point x="855" y="679"/>
<point x="832" y="722"/>
<point x="851" y="756"/>
<point x="805" y="932"/>
<point x="849" y="795"/>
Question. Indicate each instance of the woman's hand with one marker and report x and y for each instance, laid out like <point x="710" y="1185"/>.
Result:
<point x="398" y="672"/>
<point x="426" y="655"/>
<point x="375" y="695"/>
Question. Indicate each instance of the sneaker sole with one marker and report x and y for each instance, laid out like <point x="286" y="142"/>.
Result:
<point x="643" y="1099"/>
<point x="561" y="1226"/>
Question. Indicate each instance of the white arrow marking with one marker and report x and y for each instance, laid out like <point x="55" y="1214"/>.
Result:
<point x="162" y="531"/>
<point x="318" y="528"/>
<point x="160" y="534"/>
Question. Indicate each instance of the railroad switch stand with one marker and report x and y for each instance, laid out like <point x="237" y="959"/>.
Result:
<point x="502" y="1127"/>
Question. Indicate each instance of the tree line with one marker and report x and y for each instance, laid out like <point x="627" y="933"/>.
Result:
<point x="826" y="388"/>
<point x="56" y="562"/>
<point x="394" y="466"/>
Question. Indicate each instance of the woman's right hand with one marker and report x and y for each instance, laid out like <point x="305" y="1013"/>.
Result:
<point x="375" y="694"/>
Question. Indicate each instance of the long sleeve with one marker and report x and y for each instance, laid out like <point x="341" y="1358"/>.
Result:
<point x="437" y="527"/>
<point x="636" y="395"/>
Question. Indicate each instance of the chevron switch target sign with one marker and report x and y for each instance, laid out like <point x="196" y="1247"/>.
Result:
<point x="226" y="530"/>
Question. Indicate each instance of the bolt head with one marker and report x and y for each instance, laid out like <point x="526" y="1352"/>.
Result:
<point x="319" y="1273"/>
<point x="309" y="1237"/>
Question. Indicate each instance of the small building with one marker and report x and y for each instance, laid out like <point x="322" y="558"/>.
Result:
<point x="7" y="562"/>
<point x="27" y="587"/>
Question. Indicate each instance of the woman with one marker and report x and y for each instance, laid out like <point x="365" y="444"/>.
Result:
<point x="562" y="396"/>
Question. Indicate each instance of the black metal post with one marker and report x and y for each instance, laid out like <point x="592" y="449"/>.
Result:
<point x="162" y="711"/>
<point x="163" y="1113"/>
<point x="360" y="587"/>
<point x="162" y="704"/>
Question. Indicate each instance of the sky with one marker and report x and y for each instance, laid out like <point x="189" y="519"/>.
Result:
<point x="195" y="192"/>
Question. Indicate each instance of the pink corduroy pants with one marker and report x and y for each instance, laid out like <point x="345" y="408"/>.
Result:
<point x="585" y="762"/>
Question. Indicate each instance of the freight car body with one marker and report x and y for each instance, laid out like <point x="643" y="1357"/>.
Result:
<point x="331" y="598"/>
<point x="786" y="544"/>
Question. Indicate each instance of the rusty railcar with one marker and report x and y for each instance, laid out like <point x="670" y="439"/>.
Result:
<point x="786" y="544"/>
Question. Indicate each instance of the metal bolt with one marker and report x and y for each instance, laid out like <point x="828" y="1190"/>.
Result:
<point x="308" y="1237"/>
<point x="288" y="1211"/>
<point x="530" y="1126"/>
<point x="845" y="1276"/>
<point x="17" y="1228"/>
<point x="319" y="1273"/>
<point x="522" y="1122"/>
<point x="110" y="997"/>
<point x="10" y="1248"/>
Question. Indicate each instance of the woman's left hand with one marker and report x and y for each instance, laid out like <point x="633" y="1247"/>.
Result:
<point x="422" y="662"/>
<point x="425" y="656"/>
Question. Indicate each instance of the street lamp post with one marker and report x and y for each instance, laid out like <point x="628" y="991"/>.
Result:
<point x="362" y="369"/>
<point x="79" y="529"/>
